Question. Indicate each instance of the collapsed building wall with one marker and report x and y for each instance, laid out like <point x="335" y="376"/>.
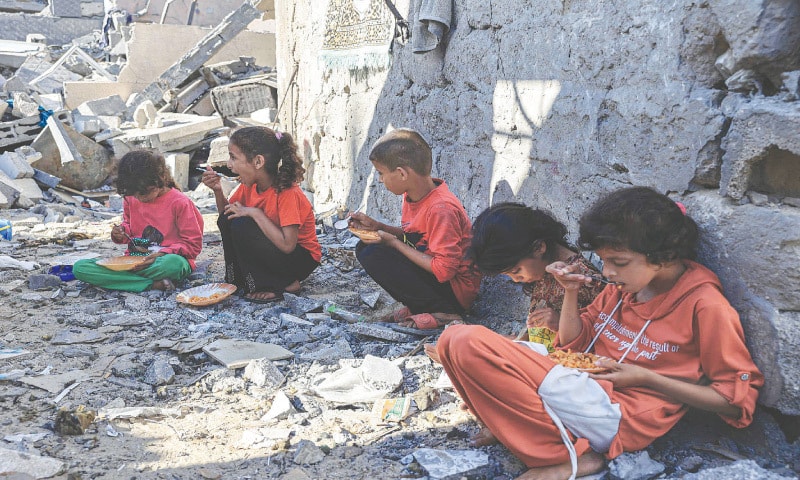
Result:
<point x="56" y="30"/>
<point x="555" y="103"/>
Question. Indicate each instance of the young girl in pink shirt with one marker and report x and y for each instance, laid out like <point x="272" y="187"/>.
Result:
<point x="156" y="214"/>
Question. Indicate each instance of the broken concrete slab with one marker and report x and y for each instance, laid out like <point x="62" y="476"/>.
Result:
<point x="180" y="132"/>
<point x="8" y="192"/>
<point x="90" y="172"/>
<point x="43" y="76"/>
<point x="13" y="462"/>
<point x="238" y="353"/>
<point x="112" y="105"/>
<point x="452" y="464"/>
<point x="55" y="383"/>
<point x="14" y="53"/>
<point x="15" y="165"/>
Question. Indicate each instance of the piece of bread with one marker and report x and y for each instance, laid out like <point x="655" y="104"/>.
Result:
<point x="365" y="234"/>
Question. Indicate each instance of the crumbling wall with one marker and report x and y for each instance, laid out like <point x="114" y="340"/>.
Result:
<point x="554" y="103"/>
<point x="56" y="30"/>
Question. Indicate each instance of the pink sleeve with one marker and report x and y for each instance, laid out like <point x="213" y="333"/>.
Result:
<point x="445" y="233"/>
<point x="189" y="223"/>
<point x="126" y="218"/>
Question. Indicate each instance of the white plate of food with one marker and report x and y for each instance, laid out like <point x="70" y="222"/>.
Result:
<point x="205" y="295"/>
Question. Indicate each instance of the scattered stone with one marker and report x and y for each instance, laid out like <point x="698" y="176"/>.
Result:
<point x="287" y="319"/>
<point x="160" y="372"/>
<point x="757" y="199"/>
<point x="301" y="305"/>
<point x="371" y="298"/>
<point x="692" y="463"/>
<point x="793" y="201"/>
<point x="13" y="462"/>
<point x="41" y="281"/>
<point x="740" y="470"/>
<point x="635" y="466"/>
<point x="281" y="408"/>
<point x="238" y="353"/>
<point x="76" y="335"/>
<point x="308" y="453"/>
<point x="263" y="373"/>
<point x="452" y="464"/>
<point x="295" y="474"/>
<point x="377" y="331"/>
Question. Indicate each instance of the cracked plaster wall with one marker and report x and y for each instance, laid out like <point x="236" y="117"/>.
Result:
<point x="553" y="103"/>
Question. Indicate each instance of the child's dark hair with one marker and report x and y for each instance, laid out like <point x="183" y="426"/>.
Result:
<point x="403" y="147"/>
<point x="505" y="233"/>
<point x="278" y="149"/>
<point x="139" y="171"/>
<point x="642" y="220"/>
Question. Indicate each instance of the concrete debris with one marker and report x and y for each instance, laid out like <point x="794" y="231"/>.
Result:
<point x="635" y="466"/>
<point x="452" y="464"/>
<point x="14" y="463"/>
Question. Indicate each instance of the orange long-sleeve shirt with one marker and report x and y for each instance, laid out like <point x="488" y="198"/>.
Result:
<point x="446" y="231"/>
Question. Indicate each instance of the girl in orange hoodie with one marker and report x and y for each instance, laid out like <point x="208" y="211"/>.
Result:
<point x="669" y="337"/>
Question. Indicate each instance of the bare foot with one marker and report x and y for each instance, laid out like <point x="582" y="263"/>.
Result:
<point x="430" y="350"/>
<point x="483" y="438"/>
<point x="293" y="287"/>
<point x="588" y="463"/>
<point x="165" y="284"/>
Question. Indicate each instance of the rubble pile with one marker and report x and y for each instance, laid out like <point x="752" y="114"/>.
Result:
<point x="105" y="384"/>
<point x="69" y="111"/>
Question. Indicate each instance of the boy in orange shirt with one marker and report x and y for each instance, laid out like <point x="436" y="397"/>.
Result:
<point x="421" y="263"/>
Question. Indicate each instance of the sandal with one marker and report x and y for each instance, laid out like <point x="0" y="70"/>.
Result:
<point x="250" y="298"/>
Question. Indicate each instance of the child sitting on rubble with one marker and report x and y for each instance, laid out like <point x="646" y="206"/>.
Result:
<point x="421" y="263"/>
<point x="268" y="228"/>
<point x="159" y="223"/>
<point x="519" y="242"/>
<point x="665" y="335"/>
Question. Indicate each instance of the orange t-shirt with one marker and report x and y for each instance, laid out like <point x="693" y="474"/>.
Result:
<point x="694" y="335"/>
<point x="444" y="231"/>
<point x="289" y="207"/>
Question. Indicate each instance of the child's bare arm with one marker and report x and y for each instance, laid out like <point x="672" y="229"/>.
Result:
<point x="420" y="259"/>
<point x="699" y="396"/>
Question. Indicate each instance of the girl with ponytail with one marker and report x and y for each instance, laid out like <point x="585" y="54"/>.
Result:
<point x="267" y="225"/>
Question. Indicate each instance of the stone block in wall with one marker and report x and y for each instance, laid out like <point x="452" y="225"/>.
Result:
<point x="762" y="35"/>
<point x="759" y="155"/>
<point x="751" y="249"/>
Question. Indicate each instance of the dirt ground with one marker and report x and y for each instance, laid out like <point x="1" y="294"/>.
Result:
<point x="96" y="349"/>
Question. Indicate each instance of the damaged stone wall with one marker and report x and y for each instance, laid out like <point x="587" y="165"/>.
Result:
<point x="555" y="103"/>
